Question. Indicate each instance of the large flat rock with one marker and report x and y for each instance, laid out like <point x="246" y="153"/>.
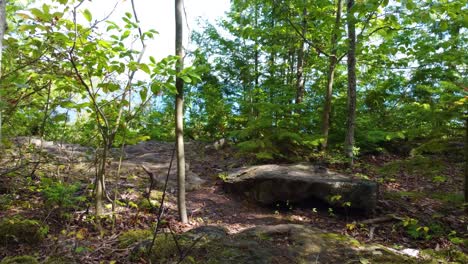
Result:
<point x="270" y="184"/>
<point x="285" y="243"/>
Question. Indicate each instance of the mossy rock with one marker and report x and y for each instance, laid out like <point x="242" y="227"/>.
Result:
<point x="20" y="230"/>
<point x="131" y="237"/>
<point x="20" y="260"/>
<point x="264" y="244"/>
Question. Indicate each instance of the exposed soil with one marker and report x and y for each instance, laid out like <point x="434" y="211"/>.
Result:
<point x="80" y="239"/>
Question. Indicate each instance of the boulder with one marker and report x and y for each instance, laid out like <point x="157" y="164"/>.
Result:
<point x="285" y="243"/>
<point x="271" y="184"/>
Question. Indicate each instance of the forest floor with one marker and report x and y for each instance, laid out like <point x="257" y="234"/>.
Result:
<point x="420" y="202"/>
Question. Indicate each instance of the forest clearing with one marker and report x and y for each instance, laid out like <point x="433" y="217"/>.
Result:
<point x="286" y="131"/>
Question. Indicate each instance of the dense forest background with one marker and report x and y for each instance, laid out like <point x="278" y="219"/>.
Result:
<point x="271" y="77"/>
<point x="337" y="83"/>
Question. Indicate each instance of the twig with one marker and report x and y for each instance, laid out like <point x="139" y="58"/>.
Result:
<point x="161" y="207"/>
<point x="190" y="248"/>
<point x="181" y="254"/>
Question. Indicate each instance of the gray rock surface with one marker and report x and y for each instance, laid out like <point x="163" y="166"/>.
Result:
<point x="285" y="243"/>
<point x="270" y="184"/>
<point x="156" y="156"/>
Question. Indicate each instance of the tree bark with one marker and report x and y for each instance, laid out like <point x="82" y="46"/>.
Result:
<point x="333" y="61"/>
<point x="179" y="115"/>
<point x="300" y="81"/>
<point x="466" y="162"/>
<point x="3" y="27"/>
<point x="100" y="188"/>
<point x="351" y="119"/>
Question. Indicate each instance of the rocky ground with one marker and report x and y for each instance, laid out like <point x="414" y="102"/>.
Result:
<point x="77" y="238"/>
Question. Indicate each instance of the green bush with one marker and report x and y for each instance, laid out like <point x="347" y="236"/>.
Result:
<point x="19" y="230"/>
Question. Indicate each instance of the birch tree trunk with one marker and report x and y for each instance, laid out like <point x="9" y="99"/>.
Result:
<point x="333" y="61"/>
<point x="180" y="115"/>
<point x="351" y="119"/>
<point x="3" y="27"/>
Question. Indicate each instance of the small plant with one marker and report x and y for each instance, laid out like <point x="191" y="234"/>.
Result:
<point x="415" y="230"/>
<point x="362" y="176"/>
<point x="223" y="176"/>
<point x="439" y="179"/>
<point x="331" y="212"/>
<point x="60" y="195"/>
<point x="335" y="198"/>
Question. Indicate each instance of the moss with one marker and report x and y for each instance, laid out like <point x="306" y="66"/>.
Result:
<point x="343" y="239"/>
<point x="17" y="229"/>
<point x="133" y="236"/>
<point x="156" y="195"/>
<point x="450" y="255"/>
<point x="20" y="260"/>
<point x="146" y="204"/>
<point x="417" y="165"/>
<point x="450" y="198"/>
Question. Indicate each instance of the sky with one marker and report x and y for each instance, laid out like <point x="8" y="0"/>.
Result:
<point x="159" y="15"/>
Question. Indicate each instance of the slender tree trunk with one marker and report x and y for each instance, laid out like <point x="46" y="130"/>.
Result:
<point x="100" y="188"/>
<point x="253" y="95"/>
<point x="3" y="27"/>
<point x="179" y="115"/>
<point x="300" y="81"/>
<point x="333" y="61"/>
<point x="351" y="119"/>
<point x="466" y="162"/>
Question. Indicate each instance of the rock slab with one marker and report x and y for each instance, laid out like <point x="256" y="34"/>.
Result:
<point x="270" y="184"/>
<point x="285" y="243"/>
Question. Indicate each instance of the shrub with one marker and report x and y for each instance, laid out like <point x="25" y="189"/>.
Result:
<point x="60" y="195"/>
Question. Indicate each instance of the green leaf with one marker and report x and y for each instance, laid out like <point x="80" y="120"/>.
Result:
<point x="143" y="94"/>
<point x="125" y="35"/>
<point x="186" y="79"/>
<point x="87" y="15"/>
<point x="145" y="68"/>
<point x="156" y="87"/>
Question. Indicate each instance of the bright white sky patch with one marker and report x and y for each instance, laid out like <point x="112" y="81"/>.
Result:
<point x="159" y="15"/>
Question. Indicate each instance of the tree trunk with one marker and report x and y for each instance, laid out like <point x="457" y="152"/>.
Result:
<point x="3" y="27"/>
<point x="300" y="82"/>
<point x="179" y="115"/>
<point x="100" y="187"/>
<point x="351" y="119"/>
<point x="333" y="61"/>
<point x="466" y="161"/>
